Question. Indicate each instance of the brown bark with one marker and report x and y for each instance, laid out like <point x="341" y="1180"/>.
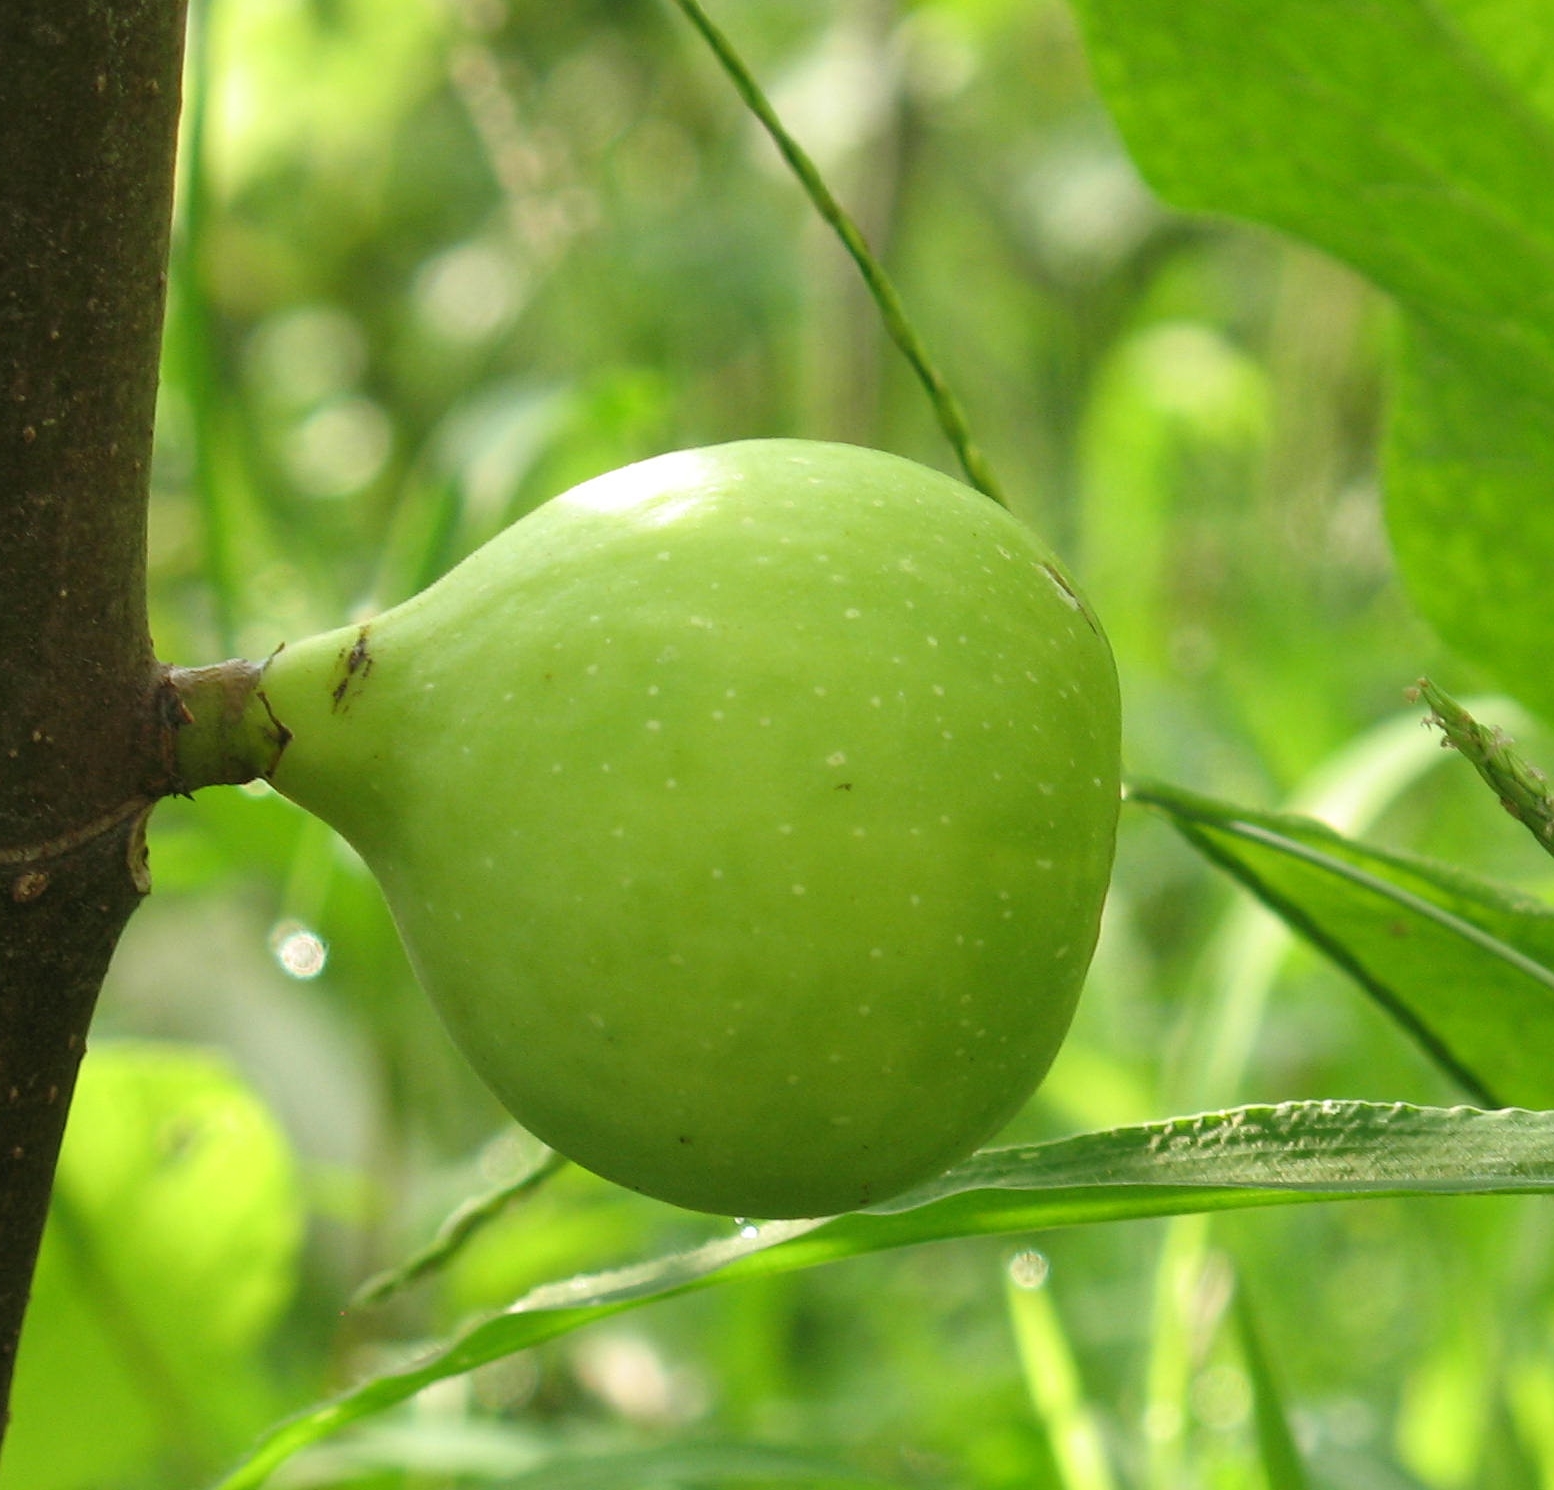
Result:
<point x="88" y="112"/>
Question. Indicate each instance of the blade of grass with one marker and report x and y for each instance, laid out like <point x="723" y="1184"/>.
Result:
<point x="1294" y="1153"/>
<point x="461" y="1227"/>
<point x="1281" y="1461"/>
<point x="1052" y="1377"/>
<point x="946" y="406"/>
<point x="1523" y="789"/>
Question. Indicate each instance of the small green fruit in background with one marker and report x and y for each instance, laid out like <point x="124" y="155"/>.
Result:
<point x="746" y="812"/>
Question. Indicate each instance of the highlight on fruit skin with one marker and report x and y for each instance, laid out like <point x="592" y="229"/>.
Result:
<point x="747" y="814"/>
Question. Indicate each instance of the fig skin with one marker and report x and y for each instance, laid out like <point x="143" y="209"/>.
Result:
<point x="747" y="814"/>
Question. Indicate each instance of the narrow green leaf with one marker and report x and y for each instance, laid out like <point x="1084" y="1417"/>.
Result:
<point x="1281" y="1461"/>
<point x="1254" y="1156"/>
<point x="1465" y="967"/>
<point x="1052" y="1378"/>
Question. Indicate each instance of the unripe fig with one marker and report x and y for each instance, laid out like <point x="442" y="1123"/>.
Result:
<point x="747" y="814"/>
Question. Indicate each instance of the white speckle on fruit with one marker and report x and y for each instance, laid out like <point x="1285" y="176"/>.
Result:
<point x="671" y="784"/>
<point x="596" y="1020"/>
<point x="852" y="613"/>
<point x="717" y="874"/>
<point x="605" y="766"/>
<point x="875" y="952"/>
<point x="860" y="832"/>
<point x="836" y="758"/>
<point x="764" y="722"/>
<point x="876" y="702"/>
<point x="662" y="554"/>
<point x="652" y="691"/>
<point x="792" y="1079"/>
<point x="655" y="725"/>
<point x="1060" y="953"/>
<point x="784" y="828"/>
<point x="864" y="1010"/>
<point x="938" y="689"/>
<point x="618" y="831"/>
<point x="834" y="1058"/>
<point x="914" y="899"/>
<point x="799" y="890"/>
<point x="933" y="641"/>
<point x="820" y="691"/>
<point x="1044" y="863"/>
<point x="592" y="669"/>
<point x="557" y="768"/>
<point x="717" y="714"/>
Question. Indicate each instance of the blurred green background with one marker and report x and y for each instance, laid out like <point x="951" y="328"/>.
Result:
<point x="437" y="260"/>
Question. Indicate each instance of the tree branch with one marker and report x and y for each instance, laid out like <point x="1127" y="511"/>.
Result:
<point x="89" y="98"/>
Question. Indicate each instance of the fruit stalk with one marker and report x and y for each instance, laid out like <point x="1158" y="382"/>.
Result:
<point x="226" y="734"/>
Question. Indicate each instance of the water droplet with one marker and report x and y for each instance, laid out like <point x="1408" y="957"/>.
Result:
<point x="300" y="952"/>
<point x="1029" y="1268"/>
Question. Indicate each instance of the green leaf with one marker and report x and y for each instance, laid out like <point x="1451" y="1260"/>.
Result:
<point x="1412" y="140"/>
<point x="1254" y="1156"/>
<point x="170" y="1251"/>
<point x="1375" y="129"/>
<point x="1467" y="968"/>
<point x="1469" y="465"/>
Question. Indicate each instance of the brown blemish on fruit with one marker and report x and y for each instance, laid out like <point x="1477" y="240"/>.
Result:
<point x="357" y="663"/>
<point x="1057" y="577"/>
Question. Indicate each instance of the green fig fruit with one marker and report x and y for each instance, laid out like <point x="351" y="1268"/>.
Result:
<point x="747" y="814"/>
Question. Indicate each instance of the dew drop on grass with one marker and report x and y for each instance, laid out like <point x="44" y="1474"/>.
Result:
<point x="1029" y="1268"/>
<point x="301" y="952"/>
